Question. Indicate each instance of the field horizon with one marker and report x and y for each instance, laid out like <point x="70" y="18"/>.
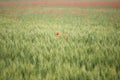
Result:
<point x="62" y="3"/>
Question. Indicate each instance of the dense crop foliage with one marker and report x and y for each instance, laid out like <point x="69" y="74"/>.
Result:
<point x="59" y="44"/>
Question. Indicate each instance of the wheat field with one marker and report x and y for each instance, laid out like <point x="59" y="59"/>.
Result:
<point x="59" y="43"/>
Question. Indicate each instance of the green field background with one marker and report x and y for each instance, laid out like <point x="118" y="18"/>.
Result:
<point x="31" y="50"/>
